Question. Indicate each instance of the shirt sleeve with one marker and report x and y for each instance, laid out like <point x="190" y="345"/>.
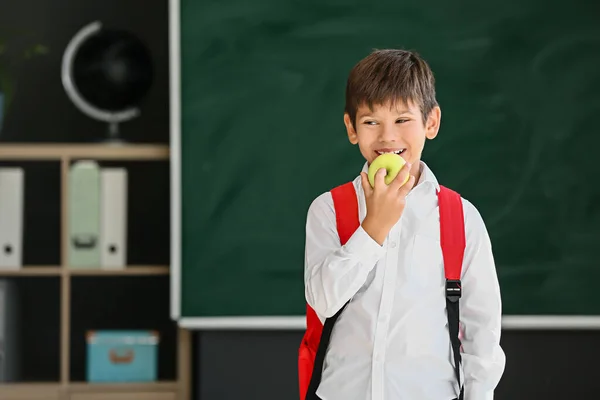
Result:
<point x="480" y="311"/>
<point x="334" y="273"/>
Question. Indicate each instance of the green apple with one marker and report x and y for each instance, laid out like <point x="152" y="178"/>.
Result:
<point x="392" y="163"/>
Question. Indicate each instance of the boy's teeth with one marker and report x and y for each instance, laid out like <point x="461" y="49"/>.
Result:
<point x="395" y="152"/>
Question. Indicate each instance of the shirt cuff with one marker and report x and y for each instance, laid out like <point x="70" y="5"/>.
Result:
<point x="364" y="247"/>
<point x="476" y="391"/>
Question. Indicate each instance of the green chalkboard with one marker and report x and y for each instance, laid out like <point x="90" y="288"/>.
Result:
<point x="262" y="86"/>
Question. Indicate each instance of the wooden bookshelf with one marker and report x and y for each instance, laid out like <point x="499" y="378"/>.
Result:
<point x="52" y="151"/>
<point x="83" y="390"/>
<point x="31" y="391"/>
<point x="66" y="388"/>
<point x="130" y="270"/>
<point x="122" y="387"/>
<point x="32" y="271"/>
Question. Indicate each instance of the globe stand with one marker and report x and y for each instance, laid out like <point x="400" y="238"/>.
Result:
<point x="106" y="74"/>
<point x="113" y="134"/>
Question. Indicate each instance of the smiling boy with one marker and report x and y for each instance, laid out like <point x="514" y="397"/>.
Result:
<point x="391" y="341"/>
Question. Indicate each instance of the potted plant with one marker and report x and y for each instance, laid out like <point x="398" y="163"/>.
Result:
<point x="10" y="57"/>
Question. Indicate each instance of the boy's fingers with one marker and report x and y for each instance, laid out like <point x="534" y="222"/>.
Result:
<point x="407" y="186"/>
<point x="398" y="181"/>
<point x="380" y="178"/>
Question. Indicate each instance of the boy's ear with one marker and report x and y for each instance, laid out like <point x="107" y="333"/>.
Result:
<point x="432" y="126"/>
<point x="352" y="136"/>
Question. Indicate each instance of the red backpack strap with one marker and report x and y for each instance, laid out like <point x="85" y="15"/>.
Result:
<point x="316" y="338"/>
<point x="452" y="232"/>
<point x="345" y="204"/>
<point x="452" y="238"/>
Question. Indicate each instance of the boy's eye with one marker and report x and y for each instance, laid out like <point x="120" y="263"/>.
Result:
<point x="370" y="123"/>
<point x="401" y="121"/>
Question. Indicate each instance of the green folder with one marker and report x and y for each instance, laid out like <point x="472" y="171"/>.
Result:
<point x="84" y="215"/>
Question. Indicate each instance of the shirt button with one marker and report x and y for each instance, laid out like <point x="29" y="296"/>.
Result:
<point x="393" y="245"/>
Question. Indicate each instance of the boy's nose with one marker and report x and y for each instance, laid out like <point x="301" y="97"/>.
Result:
<point x="388" y="134"/>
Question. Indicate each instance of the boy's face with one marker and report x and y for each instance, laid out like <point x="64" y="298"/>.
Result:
<point x="399" y="129"/>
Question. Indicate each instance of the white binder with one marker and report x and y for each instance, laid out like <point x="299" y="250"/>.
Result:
<point x="11" y="217"/>
<point x="113" y="226"/>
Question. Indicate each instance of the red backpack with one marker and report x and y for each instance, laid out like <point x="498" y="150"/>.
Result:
<point x="452" y="237"/>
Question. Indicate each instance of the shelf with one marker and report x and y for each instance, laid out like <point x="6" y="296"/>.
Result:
<point x="56" y="151"/>
<point x="122" y="387"/>
<point x="130" y="270"/>
<point x="57" y="270"/>
<point x="42" y="390"/>
<point x="33" y="391"/>
<point x="32" y="271"/>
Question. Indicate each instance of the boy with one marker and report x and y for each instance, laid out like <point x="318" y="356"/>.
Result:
<point x="391" y="342"/>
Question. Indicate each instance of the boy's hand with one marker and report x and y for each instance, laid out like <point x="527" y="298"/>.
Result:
<point x="385" y="203"/>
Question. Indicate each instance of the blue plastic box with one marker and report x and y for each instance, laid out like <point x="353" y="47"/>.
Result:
<point x="122" y="356"/>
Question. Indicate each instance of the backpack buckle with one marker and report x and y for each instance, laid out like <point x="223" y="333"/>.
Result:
<point x="453" y="290"/>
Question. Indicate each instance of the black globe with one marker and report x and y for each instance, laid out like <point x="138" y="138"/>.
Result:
<point x="113" y="70"/>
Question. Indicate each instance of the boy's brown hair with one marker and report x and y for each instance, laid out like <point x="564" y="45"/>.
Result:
<point x="390" y="75"/>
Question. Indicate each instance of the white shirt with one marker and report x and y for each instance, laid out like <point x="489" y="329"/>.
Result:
<point x="392" y="342"/>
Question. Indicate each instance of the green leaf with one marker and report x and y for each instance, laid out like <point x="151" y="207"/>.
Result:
<point x="7" y="80"/>
<point x="40" y="49"/>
